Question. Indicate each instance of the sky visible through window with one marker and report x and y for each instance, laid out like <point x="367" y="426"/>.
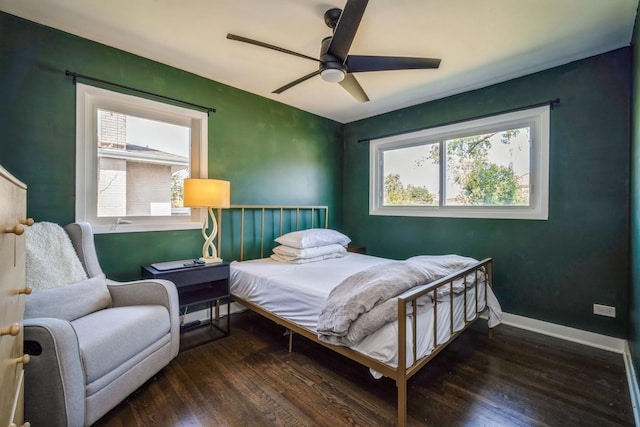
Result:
<point x="161" y="136"/>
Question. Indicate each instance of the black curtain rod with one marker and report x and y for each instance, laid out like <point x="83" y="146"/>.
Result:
<point x="77" y="76"/>
<point x="550" y="103"/>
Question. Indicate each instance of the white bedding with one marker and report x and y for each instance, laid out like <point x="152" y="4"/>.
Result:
<point x="297" y="292"/>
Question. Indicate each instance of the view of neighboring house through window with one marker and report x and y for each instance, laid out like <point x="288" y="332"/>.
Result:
<point x="133" y="156"/>
<point x="495" y="167"/>
<point x="141" y="166"/>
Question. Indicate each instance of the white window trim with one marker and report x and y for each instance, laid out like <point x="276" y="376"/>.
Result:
<point x="88" y="99"/>
<point x="538" y="117"/>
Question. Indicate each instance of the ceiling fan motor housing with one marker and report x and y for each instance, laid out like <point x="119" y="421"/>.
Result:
<point x="332" y="70"/>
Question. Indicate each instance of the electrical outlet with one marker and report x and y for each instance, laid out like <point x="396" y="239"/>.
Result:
<point x="604" y="310"/>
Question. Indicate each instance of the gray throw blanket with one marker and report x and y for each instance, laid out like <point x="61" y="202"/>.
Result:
<point x="365" y="301"/>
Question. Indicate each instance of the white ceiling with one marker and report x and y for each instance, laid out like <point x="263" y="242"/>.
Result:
<point x="479" y="42"/>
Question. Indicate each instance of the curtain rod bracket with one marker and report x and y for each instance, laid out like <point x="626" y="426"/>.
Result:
<point x="77" y="76"/>
<point x="73" y="75"/>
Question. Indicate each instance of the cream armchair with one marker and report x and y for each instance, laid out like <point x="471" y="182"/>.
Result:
<point x="94" y="342"/>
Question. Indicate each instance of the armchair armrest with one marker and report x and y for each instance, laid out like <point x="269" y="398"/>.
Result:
<point x="143" y="292"/>
<point x="54" y="376"/>
<point x="150" y="291"/>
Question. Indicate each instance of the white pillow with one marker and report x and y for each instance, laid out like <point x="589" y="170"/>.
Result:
<point x="313" y="237"/>
<point x="317" y="251"/>
<point x="292" y="260"/>
<point x="69" y="302"/>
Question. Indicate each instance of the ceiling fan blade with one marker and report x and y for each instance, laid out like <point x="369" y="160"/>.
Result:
<point x="351" y="85"/>
<point x="295" y="82"/>
<point x="360" y="63"/>
<point x="346" y="28"/>
<point x="269" y="46"/>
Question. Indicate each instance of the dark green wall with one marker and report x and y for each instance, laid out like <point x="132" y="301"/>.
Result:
<point x="549" y="270"/>
<point x="634" y="299"/>
<point x="271" y="153"/>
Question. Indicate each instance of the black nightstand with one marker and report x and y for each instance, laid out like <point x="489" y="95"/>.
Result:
<point x="206" y="284"/>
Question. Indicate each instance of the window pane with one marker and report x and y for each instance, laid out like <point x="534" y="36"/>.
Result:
<point x="141" y="166"/>
<point x="490" y="169"/>
<point x="411" y="176"/>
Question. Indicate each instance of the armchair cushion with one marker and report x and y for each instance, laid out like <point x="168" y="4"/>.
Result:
<point x="109" y="338"/>
<point x="69" y="302"/>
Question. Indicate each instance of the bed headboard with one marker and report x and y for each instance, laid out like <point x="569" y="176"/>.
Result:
<point x="247" y="231"/>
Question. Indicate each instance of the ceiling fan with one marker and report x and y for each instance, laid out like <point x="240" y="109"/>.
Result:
<point x="335" y="63"/>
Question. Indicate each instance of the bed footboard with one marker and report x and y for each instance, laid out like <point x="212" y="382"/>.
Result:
<point x="481" y="275"/>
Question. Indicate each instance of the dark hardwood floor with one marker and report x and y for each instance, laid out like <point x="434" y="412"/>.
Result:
<point x="516" y="378"/>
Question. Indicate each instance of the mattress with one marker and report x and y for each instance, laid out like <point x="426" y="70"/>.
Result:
<point x="297" y="293"/>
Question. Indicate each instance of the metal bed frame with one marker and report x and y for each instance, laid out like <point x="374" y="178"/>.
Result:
<point x="406" y="302"/>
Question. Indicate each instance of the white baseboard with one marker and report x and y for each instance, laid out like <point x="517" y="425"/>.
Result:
<point x="617" y="345"/>
<point x="633" y="383"/>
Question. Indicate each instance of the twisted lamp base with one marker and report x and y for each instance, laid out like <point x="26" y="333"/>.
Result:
<point x="209" y="252"/>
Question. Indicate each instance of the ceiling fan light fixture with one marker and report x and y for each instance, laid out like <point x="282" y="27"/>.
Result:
<point x="332" y="75"/>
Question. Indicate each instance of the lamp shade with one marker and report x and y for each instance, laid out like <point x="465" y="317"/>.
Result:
<point x="206" y="193"/>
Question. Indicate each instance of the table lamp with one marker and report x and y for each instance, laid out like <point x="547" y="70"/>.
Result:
<point x="210" y="194"/>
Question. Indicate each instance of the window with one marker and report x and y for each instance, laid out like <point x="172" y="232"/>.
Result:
<point x="494" y="167"/>
<point x="132" y="155"/>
